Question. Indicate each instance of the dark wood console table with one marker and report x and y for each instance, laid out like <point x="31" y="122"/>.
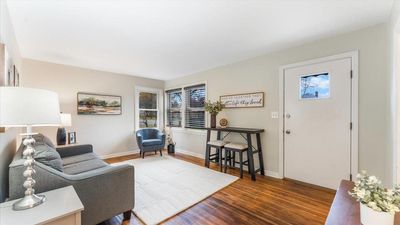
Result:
<point x="345" y="210"/>
<point x="246" y="134"/>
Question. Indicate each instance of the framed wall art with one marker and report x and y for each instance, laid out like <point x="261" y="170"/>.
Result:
<point x="247" y="100"/>
<point x="99" y="104"/>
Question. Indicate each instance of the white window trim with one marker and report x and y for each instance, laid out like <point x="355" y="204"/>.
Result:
<point x="160" y="103"/>
<point x="183" y="129"/>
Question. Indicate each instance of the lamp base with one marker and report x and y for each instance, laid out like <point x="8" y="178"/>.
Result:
<point x="61" y="136"/>
<point x="28" y="202"/>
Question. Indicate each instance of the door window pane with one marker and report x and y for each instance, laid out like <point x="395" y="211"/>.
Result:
<point x="316" y="86"/>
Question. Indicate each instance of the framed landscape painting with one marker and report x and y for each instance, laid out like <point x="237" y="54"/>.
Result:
<point x="97" y="104"/>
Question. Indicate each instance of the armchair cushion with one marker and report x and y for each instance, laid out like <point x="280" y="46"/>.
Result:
<point x="151" y="142"/>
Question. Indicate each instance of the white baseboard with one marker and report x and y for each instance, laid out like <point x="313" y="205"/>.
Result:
<point x="119" y="154"/>
<point x="201" y="156"/>
<point x="268" y="173"/>
<point x="272" y="174"/>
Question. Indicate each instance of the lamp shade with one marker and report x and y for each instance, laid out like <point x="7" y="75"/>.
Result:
<point x="28" y="107"/>
<point x="65" y="120"/>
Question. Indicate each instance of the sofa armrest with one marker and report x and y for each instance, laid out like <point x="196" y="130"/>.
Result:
<point x="104" y="192"/>
<point x="112" y="185"/>
<point x="68" y="151"/>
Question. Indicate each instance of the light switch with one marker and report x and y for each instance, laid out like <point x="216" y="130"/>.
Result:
<point x="274" y="115"/>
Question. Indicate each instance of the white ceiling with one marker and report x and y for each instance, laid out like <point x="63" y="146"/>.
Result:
<point x="168" y="39"/>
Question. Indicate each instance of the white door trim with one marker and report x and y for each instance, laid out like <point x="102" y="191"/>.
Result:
<point x="354" y="106"/>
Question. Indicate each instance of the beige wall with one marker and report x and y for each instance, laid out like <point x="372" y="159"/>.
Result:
<point x="8" y="138"/>
<point x="261" y="74"/>
<point x="7" y="151"/>
<point x="109" y="134"/>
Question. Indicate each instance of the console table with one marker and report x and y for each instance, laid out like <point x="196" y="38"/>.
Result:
<point x="62" y="207"/>
<point x="246" y="134"/>
<point x="345" y="210"/>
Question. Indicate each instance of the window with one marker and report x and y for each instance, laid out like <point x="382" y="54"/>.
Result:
<point x="148" y="110"/>
<point x="174" y="108"/>
<point x="316" y="86"/>
<point x="185" y="106"/>
<point x="194" y="106"/>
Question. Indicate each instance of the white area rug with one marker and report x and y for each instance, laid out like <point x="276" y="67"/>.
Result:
<point x="166" y="186"/>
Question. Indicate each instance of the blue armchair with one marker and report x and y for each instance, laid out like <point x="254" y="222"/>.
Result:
<point x="150" y="140"/>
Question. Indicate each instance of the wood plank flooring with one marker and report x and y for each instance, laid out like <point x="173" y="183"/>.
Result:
<point x="265" y="201"/>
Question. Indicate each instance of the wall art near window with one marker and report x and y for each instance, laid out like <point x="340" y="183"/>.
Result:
<point x="248" y="100"/>
<point x="97" y="104"/>
<point x="315" y="86"/>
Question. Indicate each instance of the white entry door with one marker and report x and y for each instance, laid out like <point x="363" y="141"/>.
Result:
<point x="317" y="123"/>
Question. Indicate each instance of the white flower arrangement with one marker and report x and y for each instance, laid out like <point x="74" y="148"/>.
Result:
<point x="368" y="190"/>
<point x="170" y="140"/>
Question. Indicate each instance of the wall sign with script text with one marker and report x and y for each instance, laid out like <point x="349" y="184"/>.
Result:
<point x="248" y="100"/>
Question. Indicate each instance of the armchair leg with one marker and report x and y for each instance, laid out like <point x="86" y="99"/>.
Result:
<point x="127" y="215"/>
<point x="160" y="152"/>
<point x="142" y="155"/>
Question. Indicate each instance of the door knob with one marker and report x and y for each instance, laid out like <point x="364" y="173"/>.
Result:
<point x="287" y="131"/>
<point x="288" y="116"/>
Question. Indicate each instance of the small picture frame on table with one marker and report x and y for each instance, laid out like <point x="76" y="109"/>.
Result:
<point x="72" y="138"/>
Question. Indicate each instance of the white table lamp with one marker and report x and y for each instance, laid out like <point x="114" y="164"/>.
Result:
<point x="27" y="107"/>
<point x="61" y="133"/>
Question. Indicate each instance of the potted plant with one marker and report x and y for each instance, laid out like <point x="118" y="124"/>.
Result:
<point x="170" y="141"/>
<point x="213" y="108"/>
<point x="377" y="204"/>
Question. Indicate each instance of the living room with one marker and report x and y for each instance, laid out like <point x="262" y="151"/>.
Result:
<point x="285" y="102"/>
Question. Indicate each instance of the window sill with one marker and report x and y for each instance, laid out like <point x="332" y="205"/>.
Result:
<point x="189" y="131"/>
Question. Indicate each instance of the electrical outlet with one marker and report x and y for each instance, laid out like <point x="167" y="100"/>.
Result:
<point x="274" y="115"/>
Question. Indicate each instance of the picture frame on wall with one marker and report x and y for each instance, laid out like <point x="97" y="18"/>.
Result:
<point x="12" y="76"/>
<point x="246" y="100"/>
<point x="16" y="77"/>
<point x="72" y="138"/>
<point x="98" y="104"/>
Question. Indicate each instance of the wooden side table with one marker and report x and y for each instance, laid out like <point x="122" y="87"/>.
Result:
<point x="345" y="210"/>
<point x="62" y="207"/>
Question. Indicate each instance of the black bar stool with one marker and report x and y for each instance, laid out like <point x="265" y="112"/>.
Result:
<point x="230" y="150"/>
<point x="217" y="156"/>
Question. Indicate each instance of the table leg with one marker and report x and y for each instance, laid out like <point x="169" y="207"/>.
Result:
<point x="218" y="138"/>
<point x="260" y="155"/>
<point x="207" y="159"/>
<point x="250" y="157"/>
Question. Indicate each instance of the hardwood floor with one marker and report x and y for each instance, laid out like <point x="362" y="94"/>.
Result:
<point x="265" y="201"/>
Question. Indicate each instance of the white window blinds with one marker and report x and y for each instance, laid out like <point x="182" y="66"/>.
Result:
<point x="194" y="106"/>
<point x="174" y="108"/>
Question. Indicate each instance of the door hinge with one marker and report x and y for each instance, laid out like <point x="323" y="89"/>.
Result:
<point x="351" y="74"/>
<point x="351" y="177"/>
<point x="351" y="126"/>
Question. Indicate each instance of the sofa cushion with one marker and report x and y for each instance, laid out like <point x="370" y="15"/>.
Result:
<point x="151" y="142"/>
<point x="84" y="166"/>
<point x="78" y="158"/>
<point x="48" y="156"/>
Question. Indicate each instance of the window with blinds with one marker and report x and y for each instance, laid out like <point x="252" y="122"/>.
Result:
<point x="194" y="106"/>
<point x="174" y="108"/>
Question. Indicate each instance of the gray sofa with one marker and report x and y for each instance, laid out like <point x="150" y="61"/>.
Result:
<point x="105" y="190"/>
